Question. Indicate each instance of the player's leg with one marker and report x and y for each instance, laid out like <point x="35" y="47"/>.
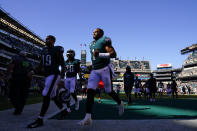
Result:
<point x="49" y="84"/>
<point x="107" y="81"/>
<point x="68" y="86"/>
<point x="129" y="96"/>
<point x="72" y="91"/>
<point x="93" y="82"/>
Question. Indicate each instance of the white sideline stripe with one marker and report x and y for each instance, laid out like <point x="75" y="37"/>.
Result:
<point x="72" y="102"/>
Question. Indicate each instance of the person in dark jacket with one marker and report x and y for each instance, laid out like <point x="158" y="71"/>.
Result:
<point x="128" y="83"/>
<point x="151" y="83"/>
<point x="20" y="81"/>
<point x="174" y="88"/>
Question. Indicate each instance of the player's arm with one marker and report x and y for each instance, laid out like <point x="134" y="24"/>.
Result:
<point x="61" y="60"/>
<point x="110" y="51"/>
<point x="79" y="70"/>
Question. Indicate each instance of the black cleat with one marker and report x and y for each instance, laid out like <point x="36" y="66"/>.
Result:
<point x="38" y="122"/>
<point x="16" y="113"/>
<point x="63" y="114"/>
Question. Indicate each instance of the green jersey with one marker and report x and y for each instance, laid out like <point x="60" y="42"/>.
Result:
<point x="72" y="67"/>
<point x="51" y="59"/>
<point x="98" y="63"/>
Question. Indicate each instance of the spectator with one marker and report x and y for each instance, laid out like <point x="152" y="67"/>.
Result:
<point x="137" y="84"/>
<point x="151" y="83"/>
<point x="168" y="90"/>
<point x="128" y="83"/>
<point x="20" y="70"/>
<point x="174" y="88"/>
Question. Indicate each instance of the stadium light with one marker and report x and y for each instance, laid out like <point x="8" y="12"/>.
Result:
<point x="21" y="31"/>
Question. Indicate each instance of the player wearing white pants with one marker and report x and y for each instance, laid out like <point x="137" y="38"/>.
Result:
<point x="72" y="66"/>
<point x="70" y="84"/>
<point x="137" y="84"/>
<point x="47" y="85"/>
<point x="52" y="58"/>
<point x="101" y="74"/>
<point x="136" y="90"/>
<point x="101" y="50"/>
<point x="160" y="90"/>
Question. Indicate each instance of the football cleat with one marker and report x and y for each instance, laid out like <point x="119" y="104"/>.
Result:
<point x="121" y="108"/>
<point x="63" y="114"/>
<point x="85" y="121"/>
<point x="38" y="122"/>
<point x="68" y="110"/>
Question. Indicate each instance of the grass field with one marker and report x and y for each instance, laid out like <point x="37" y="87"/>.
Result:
<point x="166" y="108"/>
<point x="5" y="104"/>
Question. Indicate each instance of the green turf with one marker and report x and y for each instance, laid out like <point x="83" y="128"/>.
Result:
<point x="165" y="108"/>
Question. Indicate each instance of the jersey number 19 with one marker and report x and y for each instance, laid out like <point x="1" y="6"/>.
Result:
<point x="46" y="60"/>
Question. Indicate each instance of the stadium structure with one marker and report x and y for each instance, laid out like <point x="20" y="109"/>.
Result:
<point x="141" y="69"/>
<point x="163" y="72"/>
<point x="189" y="68"/>
<point x="15" y="37"/>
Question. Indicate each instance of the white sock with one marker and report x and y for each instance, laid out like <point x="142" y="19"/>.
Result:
<point x="62" y="109"/>
<point x="88" y="115"/>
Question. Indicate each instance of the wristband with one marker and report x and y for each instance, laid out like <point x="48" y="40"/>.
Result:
<point x="104" y="55"/>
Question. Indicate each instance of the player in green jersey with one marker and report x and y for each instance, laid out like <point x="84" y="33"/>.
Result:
<point x="52" y="58"/>
<point x="101" y="50"/>
<point x="72" y="67"/>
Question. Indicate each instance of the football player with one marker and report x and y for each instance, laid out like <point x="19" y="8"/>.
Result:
<point x="51" y="59"/>
<point x="72" y="67"/>
<point x="137" y="84"/>
<point x="128" y="83"/>
<point x="101" y="50"/>
<point x="161" y="86"/>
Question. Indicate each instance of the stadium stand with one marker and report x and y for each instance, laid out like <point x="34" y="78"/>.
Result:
<point x="15" y="37"/>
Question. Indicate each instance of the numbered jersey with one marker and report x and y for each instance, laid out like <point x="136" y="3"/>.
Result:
<point x="51" y="59"/>
<point x="98" y="63"/>
<point x="72" y="68"/>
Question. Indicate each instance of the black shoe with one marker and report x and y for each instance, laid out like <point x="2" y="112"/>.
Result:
<point x="63" y="114"/>
<point x="37" y="123"/>
<point x="17" y="112"/>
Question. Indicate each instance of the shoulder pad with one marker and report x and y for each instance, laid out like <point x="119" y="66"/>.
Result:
<point x="59" y="48"/>
<point x="108" y="40"/>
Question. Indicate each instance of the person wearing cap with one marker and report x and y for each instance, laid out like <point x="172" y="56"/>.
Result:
<point x="128" y="83"/>
<point x="20" y="71"/>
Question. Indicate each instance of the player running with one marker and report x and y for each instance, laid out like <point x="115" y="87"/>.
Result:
<point x="101" y="50"/>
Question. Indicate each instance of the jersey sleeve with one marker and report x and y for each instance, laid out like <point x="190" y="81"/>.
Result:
<point x="108" y="41"/>
<point x="60" y="49"/>
<point x="78" y="65"/>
